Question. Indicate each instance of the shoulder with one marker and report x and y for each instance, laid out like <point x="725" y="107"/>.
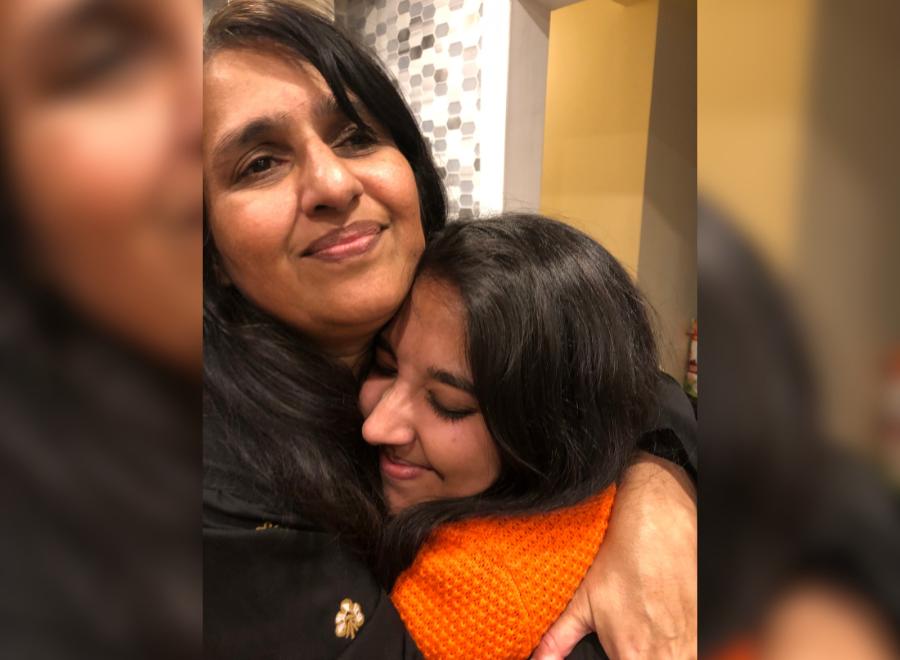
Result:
<point x="671" y="430"/>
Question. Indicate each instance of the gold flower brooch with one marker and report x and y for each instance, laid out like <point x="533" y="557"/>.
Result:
<point x="349" y="619"/>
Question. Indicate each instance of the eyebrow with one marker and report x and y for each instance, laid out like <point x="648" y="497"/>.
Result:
<point x="452" y="380"/>
<point x="440" y="375"/>
<point x="328" y="107"/>
<point x="244" y="136"/>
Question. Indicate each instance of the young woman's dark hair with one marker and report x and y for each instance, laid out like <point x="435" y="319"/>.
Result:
<point x="563" y="360"/>
<point x="286" y="413"/>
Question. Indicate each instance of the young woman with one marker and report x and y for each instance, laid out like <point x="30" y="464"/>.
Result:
<point x="513" y="382"/>
<point x="320" y="197"/>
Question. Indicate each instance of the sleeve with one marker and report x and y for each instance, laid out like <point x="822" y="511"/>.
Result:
<point x="671" y="431"/>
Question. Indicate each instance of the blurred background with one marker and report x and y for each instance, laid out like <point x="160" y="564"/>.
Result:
<point x="100" y="313"/>
<point x="772" y="121"/>
<point x="797" y="153"/>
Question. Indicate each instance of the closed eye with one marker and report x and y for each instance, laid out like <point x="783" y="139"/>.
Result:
<point x="446" y="413"/>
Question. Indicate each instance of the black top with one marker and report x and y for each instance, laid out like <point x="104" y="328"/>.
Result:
<point x="272" y="584"/>
<point x="672" y="429"/>
<point x="99" y="466"/>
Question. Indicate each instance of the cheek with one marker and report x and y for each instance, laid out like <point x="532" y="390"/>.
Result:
<point x="470" y="458"/>
<point x="390" y="180"/>
<point x="251" y="232"/>
<point x="488" y="463"/>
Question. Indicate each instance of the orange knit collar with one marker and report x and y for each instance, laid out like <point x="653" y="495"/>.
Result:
<point x="490" y="588"/>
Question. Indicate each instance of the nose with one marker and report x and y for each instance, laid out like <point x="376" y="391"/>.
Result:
<point x="328" y="184"/>
<point x="391" y="420"/>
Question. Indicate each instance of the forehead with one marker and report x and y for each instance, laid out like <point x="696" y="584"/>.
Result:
<point x="432" y="321"/>
<point x="241" y="83"/>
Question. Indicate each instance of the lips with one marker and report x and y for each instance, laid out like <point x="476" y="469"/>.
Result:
<point x="348" y="241"/>
<point x="397" y="468"/>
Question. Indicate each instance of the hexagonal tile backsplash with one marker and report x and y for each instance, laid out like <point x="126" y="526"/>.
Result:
<point x="432" y="48"/>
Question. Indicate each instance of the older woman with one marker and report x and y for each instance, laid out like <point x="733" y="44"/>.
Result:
<point x="320" y="197"/>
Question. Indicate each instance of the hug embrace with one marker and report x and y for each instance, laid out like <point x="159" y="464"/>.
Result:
<point x="421" y="437"/>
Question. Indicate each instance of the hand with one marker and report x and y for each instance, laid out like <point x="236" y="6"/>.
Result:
<point x="640" y="594"/>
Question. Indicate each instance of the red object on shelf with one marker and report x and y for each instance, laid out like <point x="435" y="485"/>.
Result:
<point x="690" y="379"/>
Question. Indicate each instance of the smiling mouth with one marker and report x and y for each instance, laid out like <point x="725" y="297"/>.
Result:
<point x="396" y="468"/>
<point x="350" y="241"/>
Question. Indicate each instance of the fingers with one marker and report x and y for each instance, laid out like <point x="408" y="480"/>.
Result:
<point x="561" y="638"/>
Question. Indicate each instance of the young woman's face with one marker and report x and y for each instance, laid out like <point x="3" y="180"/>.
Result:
<point x="101" y="125"/>
<point x="419" y="405"/>
<point x="316" y="220"/>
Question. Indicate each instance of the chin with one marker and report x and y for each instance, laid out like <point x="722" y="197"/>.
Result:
<point x="394" y="508"/>
<point x="371" y="310"/>
<point x="395" y="502"/>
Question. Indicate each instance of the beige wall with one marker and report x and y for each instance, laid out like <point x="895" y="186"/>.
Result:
<point x="792" y="107"/>
<point x="667" y="265"/>
<point x="753" y="92"/>
<point x="599" y="80"/>
<point x="620" y="147"/>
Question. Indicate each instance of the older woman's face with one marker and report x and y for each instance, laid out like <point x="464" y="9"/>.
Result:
<point x="316" y="219"/>
<point x="102" y="113"/>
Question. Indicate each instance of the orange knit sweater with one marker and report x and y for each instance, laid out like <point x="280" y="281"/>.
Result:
<point x="490" y="588"/>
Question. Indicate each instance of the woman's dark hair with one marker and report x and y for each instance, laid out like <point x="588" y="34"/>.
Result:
<point x="563" y="361"/>
<point x="285" y="412"/>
